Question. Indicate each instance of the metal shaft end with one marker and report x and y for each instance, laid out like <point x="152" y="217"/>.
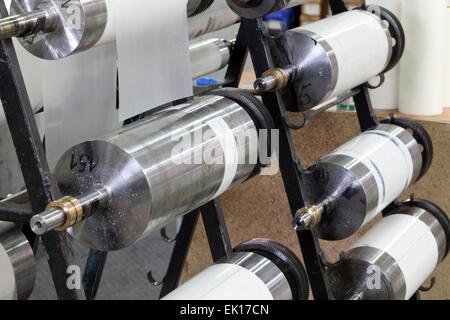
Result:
<point x="58" y="215"/>
<point x="261" y="85"/>
<point x="307" y="218"/>
<point x="276" y="79"/>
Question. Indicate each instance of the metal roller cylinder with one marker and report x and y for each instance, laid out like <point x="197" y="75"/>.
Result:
<point x="66" y="28"/>
<point x="17" y="263"/>
<point x="209" y="56"/>
<point x="334" y="55"/>
<point x="216" y="17"/>
<point x="258" y="270"/>
<point x="394" y="258"/>
<point x="252" y="9"/>
<point x="57" y="29"/>
<point x="351" y="185"/>
<point x="140" y="178"/>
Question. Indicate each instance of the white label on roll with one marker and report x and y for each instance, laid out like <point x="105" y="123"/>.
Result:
<point x="7" y="278"/>
<point x="389" y="161"/>
<point x="230" y="152"/>
<point x="222" y="282"/>
<point x="410" y="242"/>
<point x="153" y="54"/>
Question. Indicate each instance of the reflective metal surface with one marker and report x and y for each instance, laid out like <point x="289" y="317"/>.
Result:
<point x="21" y="257"/>
<point x="155" y="170"/>
<point x="77" y="26"/>
<point x="356" y="274"/>
<point x="317" y="62"/>
<point x="267" y="271"/>
<point x="209" y="56"/>
<point x="217" y="17"/>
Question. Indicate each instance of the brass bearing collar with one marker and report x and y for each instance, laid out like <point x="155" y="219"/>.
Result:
<point x="313" y="212"/>
<point x="281" y="76"/>
<point x="71" y="208"/>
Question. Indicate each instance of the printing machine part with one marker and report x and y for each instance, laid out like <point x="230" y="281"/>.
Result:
<point x="17" y="263"/>
<point x="48" y="30"/>
<point x="124" y="186"/>
<point x="393" y="259"/>
<point x="258" y="269"/>
<point x="349" y="187"/>
<point x="329" y="57"/>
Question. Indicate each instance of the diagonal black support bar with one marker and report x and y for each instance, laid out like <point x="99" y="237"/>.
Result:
<point x="216" y="230"/>
<point x="30" y="153"/>
<point x="93" y="272"/>
<point x="366" y="116"/>
<point x="237" y="60"/>
<point x="289" y="163"/>
<point x="179" y="254"/>
<point x="338" y="6"/>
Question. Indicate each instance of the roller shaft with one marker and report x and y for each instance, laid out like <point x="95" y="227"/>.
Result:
<point x="24" y="24"/>
<point x="277" y="79"/>
<point x="58" y="215"/>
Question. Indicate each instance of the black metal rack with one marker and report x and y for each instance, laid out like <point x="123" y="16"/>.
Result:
<point x="43" y="188"/>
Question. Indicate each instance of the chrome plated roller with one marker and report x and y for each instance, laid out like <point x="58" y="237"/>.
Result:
<point x="57" y="29"/>
<point x="17" y="263"/>
<point x="124" y="186"/>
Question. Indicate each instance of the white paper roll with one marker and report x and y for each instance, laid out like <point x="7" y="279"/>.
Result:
<point x="386" y="96"/>
<point x="80" y="99"/>
<point x="223" y="282"/>
<point x="153" y="54"/>
<point x="422" y="66"/>
<point x="447" y="60"/>
<point x="410" y="242"/>
<point x="358" y="59"/>
<point x="392" y="173"/>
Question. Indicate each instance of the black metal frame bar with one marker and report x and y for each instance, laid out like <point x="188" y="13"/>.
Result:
<point x="33" y="162"/>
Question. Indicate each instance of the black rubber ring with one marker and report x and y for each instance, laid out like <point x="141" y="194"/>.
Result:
<point x="284" y="259"/>
<point x="256" y="110"/>
<point x="397" y="32"/>
<point x="422" y="137"/>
